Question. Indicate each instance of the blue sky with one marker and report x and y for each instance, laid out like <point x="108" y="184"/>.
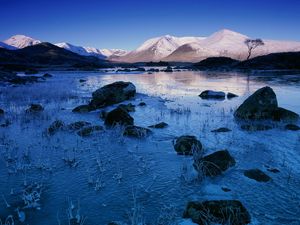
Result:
<point x="126" y="24"/>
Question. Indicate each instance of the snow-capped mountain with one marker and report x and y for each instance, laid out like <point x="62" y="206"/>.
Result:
<point x="193" y="49"/>
<point x="156" y="49"/>
<point x="6" y="46"/>
<point x="89" y="51"/>
<point x="21" y="41"/>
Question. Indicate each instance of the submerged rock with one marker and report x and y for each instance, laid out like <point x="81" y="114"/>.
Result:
<point x="56" y="126"/>
<point x="112" y="93"/>
<point x="231" y="95"/>
<point x="82" y="109"/>
<point x="78" y="125"/>
<point x="257" y="174"/>
<point x="209" y="94"/>
<point x="47" y="75"/>
<point x="159" y="125"/>
<point x="35" y="108"/>
<point x="185" y="145"/>
<point x="87" y="131"/>
<point x="221" y="130"/>
<point x="142" y="104"/>
<point x="217" y="212"/>
<point x="292" y="127"/>
<point x="260" y="105"/>
<point x="118" y="116"/>
<point x="1" y="112"/>
<point x="215" y="163"/>
<point x="137" y="132"/>
<point x="255" y="127"/>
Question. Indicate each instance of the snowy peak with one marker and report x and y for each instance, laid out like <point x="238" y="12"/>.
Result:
<point x="21" y="41"/>
<point x="6" y="46"/>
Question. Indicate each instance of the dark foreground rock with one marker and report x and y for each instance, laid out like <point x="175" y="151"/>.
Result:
<point x="33" y="108"/>
<point x="221" y="130"/>
<point x="118" y="116"/>
<point x="159" y="125"/>
<point x="112" y="93"/>
<point x="231" y="95"/>
<point x="231" y="212"/>
<point x="209" y="94"/>
<point x="82" y="109"/>
<point x="1" y="112"/>
<point x="214" y="164"/>
<point x="47" y="75"/>
<point x="292" y="127"/>
<point x="263" y="105"/>
<point x="257" y="174"/>
<point x="87" y="131"/>
<point x="142" y="104"/>
<point x="129" y="107"/>
<point x="185" y="145"/>
<point x="56" y="126"/>
<point x="136" y="132"/>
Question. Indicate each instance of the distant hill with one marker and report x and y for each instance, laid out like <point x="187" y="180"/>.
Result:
<point x="46" y="54"/>
<point x="216" y="62"/>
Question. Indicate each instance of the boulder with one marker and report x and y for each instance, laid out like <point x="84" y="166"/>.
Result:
<point x="159" y="125"/>
<point x="112" y="93"/>
<point x="217" y="212"/>
<point x="281" y="114"/>
<point x="292" y="127"/>
<point x="214" y="164"/>
<point x="118" y="116"/>
<point x="137" y="132"/>
<point x="82" y="109"/>
<point x="56" y="126"/>
<point x="168" y="69"/>
<point x="260" y="105"/>
<point x="87" y="131"/>
<point x="209" y="94"/>
<point x="142" y="104"/>
<point x="1" y="112"/>
<point x="257" y="174"/>
<point x="185" y="145"/>
<point x="231" y="95"/>
<point x="35" y="108"/>
<point x="221" y="130"/>
<point x="78" y="125"/>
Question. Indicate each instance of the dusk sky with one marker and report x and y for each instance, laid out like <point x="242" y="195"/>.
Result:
<point x="126" y="24"/>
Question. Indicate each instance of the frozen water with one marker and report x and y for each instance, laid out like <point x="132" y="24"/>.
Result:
<point x="118" y="178"/>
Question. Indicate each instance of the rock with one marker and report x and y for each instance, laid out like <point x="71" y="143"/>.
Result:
<point x="231" y="95"/>
<point x="118" y="116"/>
<point x="273" y="170"/>
<point x="260" y="105"/>
<point x="185" y="145"/>
<point x="255" y="127"/>
<point x="168" y="69"/>
<point x="56" y="126"/>
<point x="129" y="107"/>
<point x="257" y="174"/>
<point x="208" y="94"/>
<point x="215" y="163"/>
<point x="35" y="108"/>
<point x="225" y="189"/>
<point x="142" y="104"/>
<point x="47" y="75"/>
<point x="1" y="112"/>
<point x="221" y="130"/>
<point x="82" y="109"/>
<point x="217" y="212"/>
<point x="78" y="125"/>
<point x="159" y="125"/>
<point x="137" y="132"/>
<point x="87" y="131"/>
<point x="292" y="127"/>
<point x="112" y="94"/>
<point x="82" y="80"/>
<point x="281" y="114"/>
<point x="6" y="123"/>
